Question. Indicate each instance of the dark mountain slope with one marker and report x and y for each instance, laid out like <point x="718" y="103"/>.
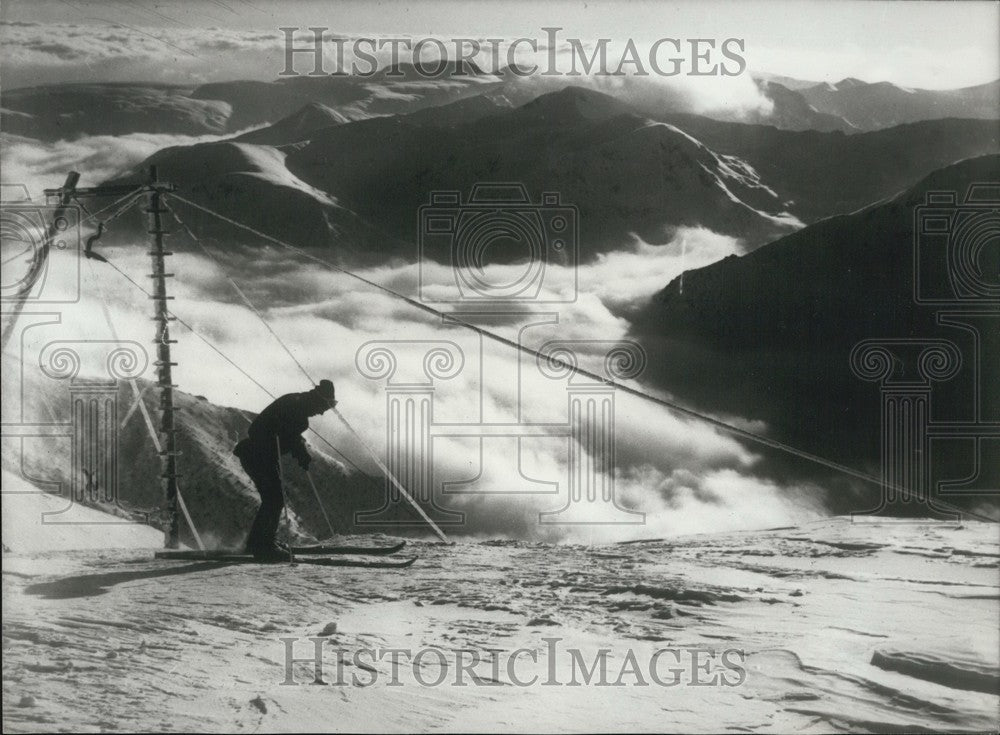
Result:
<point x="769" y="335"/>
<point x="69" y="111"/>
<point x="623" y="172"/>
<point x="357" y="186"/>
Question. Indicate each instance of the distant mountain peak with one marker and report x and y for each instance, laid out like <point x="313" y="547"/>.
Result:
<point x="788" y="82"/>
<point x="879" y="105"/>
<point x="408" y="72"/>
<point x="300" y="125"/>
<point x="575" y="103"/>
<point x="464" y="110"/>
<point x="314" y="106"/>
<point x="317" y="111"/>
<point x="849" y="82"/>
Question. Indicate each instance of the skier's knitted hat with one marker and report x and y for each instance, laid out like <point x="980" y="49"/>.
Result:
<point x="325" y="391"/>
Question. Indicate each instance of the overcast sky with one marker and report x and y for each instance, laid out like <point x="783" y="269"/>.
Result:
<point x="917" y="44"/>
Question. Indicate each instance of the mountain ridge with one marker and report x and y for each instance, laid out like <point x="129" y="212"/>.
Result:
<point x="72" y="110"/>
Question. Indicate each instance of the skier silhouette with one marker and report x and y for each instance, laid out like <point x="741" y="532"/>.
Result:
<point x="278" y="430"/>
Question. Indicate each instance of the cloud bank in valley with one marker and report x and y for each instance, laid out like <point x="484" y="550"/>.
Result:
<point x="38" y="53"/>
<point x="38" y="165"/>
<point x="684" y="475"/>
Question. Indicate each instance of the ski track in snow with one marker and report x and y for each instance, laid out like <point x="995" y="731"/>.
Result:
<point x="841" y="632"/>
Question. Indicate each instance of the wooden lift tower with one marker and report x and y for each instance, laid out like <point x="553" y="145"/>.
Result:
<point x="154" y="190"/>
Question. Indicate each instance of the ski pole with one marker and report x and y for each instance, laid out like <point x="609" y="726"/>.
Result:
<point x="319" y="501"/>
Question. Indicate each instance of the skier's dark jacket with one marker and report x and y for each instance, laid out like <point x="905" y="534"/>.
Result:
<point x="280" y="424"/>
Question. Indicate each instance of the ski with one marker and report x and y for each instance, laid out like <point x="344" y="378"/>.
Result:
<point x="342" y="562"/>
<point x="233" y="557"/>
<point x="306" y="550"/>
<point x="336" y="550"/>
<point x="212" y="555"/>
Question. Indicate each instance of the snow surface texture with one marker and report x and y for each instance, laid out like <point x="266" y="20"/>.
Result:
<point x="35" y="521"/>
<point x="871" y="626"/>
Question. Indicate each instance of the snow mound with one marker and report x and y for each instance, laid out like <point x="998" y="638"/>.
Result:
<point x="35" y="521"/>
<point x="951" y="669"/>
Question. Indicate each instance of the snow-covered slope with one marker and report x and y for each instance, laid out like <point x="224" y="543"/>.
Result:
<point x="35" y="521"/>
<point x="300" y="125"/>
<point x="833" y="626"/>
<point x="252" y="184"/>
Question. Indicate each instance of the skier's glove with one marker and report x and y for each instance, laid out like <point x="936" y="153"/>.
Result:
<point x="305" y="461"/>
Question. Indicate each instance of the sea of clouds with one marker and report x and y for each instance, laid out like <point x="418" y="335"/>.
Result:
<point x="683" y="475"/>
